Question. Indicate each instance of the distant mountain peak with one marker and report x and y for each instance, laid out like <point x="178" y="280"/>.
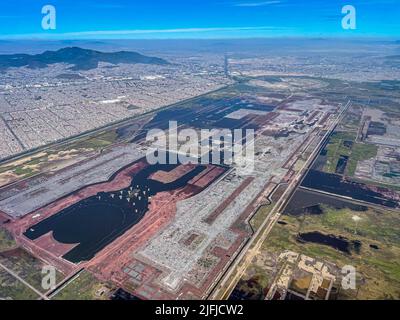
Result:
<point x="80" y="58"/>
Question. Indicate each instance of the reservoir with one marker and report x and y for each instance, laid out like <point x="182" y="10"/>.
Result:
<point x="335" y="184"/>
<point x="337" y="243"/>
<point x="95" y="222"/>
<point x="311" y="202"/>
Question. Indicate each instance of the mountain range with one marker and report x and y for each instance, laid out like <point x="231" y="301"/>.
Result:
<point x="80" y="59"/>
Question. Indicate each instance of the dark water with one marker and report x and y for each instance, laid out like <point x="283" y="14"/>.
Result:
<point x="334" y="184"/>
<point x="356" y="246"/>
<point x="206" y="113"/>
<point x="337" y="242"/>
<point x="290" y="296"/>
<point x="97" y="221"/>
<point x="248" y="290"/>
<point x="342" y="164"/>
<point x="308" y="202"/>
<point x="348" y="144"/>
<point x="322" y="158"/>
<point x="123" y="295"/>
<point x="376" y="128"/>
<point x="320" y="162"/>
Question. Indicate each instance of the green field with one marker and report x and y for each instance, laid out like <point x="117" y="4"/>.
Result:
<point x="261" y="214"/>
<point x="84" y="287"/>
<point x="26" y="266"/>
<point x="336" y="148"/>
<point x="357" y="152"/>
<point x="13" y="289"/>
<point x="351" y="121"/>
<point x="96" y="142"/>
<point x="378" y="269"/>
<point x="23" y="264"/>
<point x="39" y="162"/>
<point x="6" y="240"/>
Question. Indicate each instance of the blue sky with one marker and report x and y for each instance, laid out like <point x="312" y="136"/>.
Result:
<point x="99" y="19"/>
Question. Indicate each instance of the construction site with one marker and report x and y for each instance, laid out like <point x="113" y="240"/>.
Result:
<point x="165" y="231"/>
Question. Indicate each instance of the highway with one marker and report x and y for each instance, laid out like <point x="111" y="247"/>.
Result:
<point x="109" y="126"/>
<point x="54" y="291"/>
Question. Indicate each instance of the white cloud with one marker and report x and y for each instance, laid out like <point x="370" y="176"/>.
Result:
<point x="138" y="32"/>
<point x="257" y="4"/>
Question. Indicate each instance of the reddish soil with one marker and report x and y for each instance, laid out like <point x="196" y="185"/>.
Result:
<point x="190" y="240"/>
<point x="263" y="120"/>
<point x="46" y="247"/>
<point x="147" y="284"/>
<point x="189" y="290"/>
<point x="324" y="119"/>
<point x="287" y="108"/>
<point x="297" y="153"/>
<point x="148" y="287"/>
<point x="313" y="116"/>
<point x="170" y="176"/>
<point x="121" y="180"/>
<point x="3" y="218"/>
<point x="207" y="176"/>
<point x="109" y="263"/>
<point x="48" y="243"/>
<point x="213" y="216"/>
<point x="49" y="258"/>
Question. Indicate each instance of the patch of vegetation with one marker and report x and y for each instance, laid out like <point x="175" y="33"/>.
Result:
<point x="378" y="269"/>
<point x="352" y="119"/>
<point x="206" y="263"/>
<point x="260" y="216"/>
<point x="7" y="241"/>
<point x="97" y="142"/>
<point x="360" y="152"/>
<point x="24" y="171"/>
<point x="37" y="161"/>
<point x="26" y="266"/>
<point x="13" y="289"/>
<point x="25" y="168"/>
<point x="338" y="146"/>
<point x="5" y="168"/>
<point x="250" y="289"/>
<point x="83" y="287"/>
<point x="33" y="165"/>
<point x="378" y="184"/>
